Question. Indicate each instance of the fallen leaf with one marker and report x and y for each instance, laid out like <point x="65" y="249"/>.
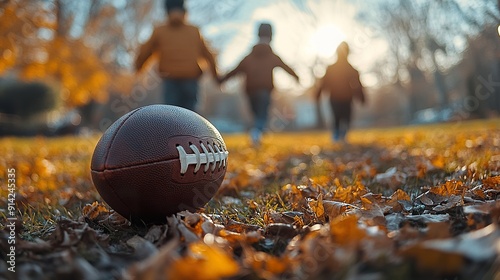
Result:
<point x="203" y="262"/>
<point x="447" y="256"/>
<point x="281" y="230"/>
<point x="435" y="261"/>
<point x="155" y="233"/>
<point x="392" y="178"/>
<point x="318" y="208"/>
<point x="333" y="209"/>
<point x="453" y="201"/>
<point x="240" y="227"/>
<point x="345" y="230"/>
<point x="492" y="182"/>
<point x="142" y="247"/>
<point x="156" y="267"/>
<point x="448" y="188"/>
<point x="265" y="265"/>
<point x="94" y="211"/>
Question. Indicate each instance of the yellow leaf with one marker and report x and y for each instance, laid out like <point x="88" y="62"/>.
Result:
<point x="204" y="262"/>
<point x="318" y="208"/>
<point x="439" y="161"/>
<point x="345" y="230"/>
<point x="366" y="202"/>
<point x="449" y="188"/>
<point x="492" y="183"/>
<point x="268" y="265"/>
<point x="334" y="209"/>
<point x="322" y="180"/>
<point x="92" y="211"/>
<point x="399" y="194"/>
<point x="429" y="259"/>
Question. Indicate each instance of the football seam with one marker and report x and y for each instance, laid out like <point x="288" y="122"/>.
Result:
<point x="164" y="159"/>
<point x="107" y="154"/>
<point x="108" y="148"/>
<point x="116" y="194"/>
<point x="147" y="164"/>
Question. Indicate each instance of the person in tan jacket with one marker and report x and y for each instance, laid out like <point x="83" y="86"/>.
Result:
<point x="341" y="82"/>
<point x="179" y="47"/>
<point x="258" y="69"/>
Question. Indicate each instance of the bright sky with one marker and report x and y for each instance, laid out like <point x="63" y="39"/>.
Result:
<point x="301" y="36"/>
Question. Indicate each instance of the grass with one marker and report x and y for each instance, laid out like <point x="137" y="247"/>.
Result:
<point x="51" y="171"/>
<point x="278" y="182"/>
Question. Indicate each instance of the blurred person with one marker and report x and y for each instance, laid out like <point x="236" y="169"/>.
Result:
<point x="341" y="82"/>
<point x="179" y="47"/>
<point x="258" y="69"/>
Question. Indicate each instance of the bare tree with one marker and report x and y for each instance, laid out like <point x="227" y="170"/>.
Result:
<point x="426" y="38"/>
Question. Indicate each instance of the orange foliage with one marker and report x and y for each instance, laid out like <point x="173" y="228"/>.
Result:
<point x="345" y="230"/>
<point x="448" y="188"/>
<point x="349" y="194"/>
<point x="55" y="57"/>
<point x="273" y="225"/>
<point x="492" y="183"/>
<point x="79" y="71"/>
<point x="204" y="262"/>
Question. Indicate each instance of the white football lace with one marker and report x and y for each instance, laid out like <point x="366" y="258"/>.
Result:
<point x="207" y="157"/>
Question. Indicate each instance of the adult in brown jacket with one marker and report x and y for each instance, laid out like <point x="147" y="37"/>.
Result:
<point x="258" y="69"/>
<point x="179" y="47"/>
<point x="341" y="82"/>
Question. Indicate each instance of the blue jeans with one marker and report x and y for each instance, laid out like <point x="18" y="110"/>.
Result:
<point x="342" y="111"/>
<point x="181" y="92"/>
<point x="259" y="104"/>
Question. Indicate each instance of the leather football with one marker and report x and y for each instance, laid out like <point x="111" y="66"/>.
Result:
<point x="158" y="160"/>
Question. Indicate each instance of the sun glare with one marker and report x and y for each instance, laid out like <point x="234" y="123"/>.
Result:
<point x="325" y="40"/>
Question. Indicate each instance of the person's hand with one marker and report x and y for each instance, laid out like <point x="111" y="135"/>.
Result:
<point x="216" y="83"/>
<point x="218" y="79"/>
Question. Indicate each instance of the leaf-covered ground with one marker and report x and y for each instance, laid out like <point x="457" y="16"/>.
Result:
<point x="403" y="203"/>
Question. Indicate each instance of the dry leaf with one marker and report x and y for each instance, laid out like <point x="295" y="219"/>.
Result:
<point x="492" y="182"/>
<point x="448" y="188"/>
<point x="281" y="230"/>
<point x="345" y="230"/>
<point x="392" y="178"/>
<point x="203" y="262"/>
<point x="448" y="256"/>
<point x="318" y="208"/>
<point x="333" y="209"/>
<point x="94" y="210"/>
<point x="240" y="227"/>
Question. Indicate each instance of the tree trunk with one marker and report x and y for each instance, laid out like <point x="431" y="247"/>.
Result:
<point x="417" y="80"/>
<point x="441" y="88"/>
<point x="61" y="28"/>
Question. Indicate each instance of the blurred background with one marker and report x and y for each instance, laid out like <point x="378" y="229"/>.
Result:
<point x="66" y="67"/>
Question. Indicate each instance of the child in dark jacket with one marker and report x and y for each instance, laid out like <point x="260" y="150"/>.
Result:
<point x="258" y="69"/>
<point x="341" y="82"/>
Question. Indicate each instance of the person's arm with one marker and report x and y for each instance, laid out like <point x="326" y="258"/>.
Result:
<point x="287" y="68"/>
<point x="357" y="88"/>
<point x="209" y="57"/>
<point x="145" y="51"/>
<point x="233" y="72"/>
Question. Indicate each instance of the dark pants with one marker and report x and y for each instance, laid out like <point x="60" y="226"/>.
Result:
<point x="181" y="92"/>
<point x="259" y="104"/>
<point x="342" y="118"/>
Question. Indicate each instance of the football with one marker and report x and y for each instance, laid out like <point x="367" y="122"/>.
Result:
<point x="158" y="160"/>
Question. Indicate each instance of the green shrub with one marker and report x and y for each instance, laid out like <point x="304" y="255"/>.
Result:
<point x="26" y="100"/>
